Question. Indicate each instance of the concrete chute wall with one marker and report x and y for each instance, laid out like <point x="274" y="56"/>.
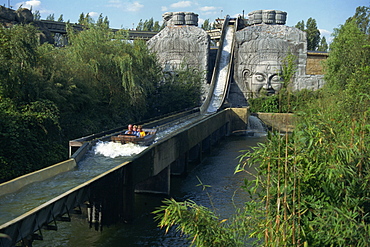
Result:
<point x="221" y="73"/>
<point x="122" y="181"/>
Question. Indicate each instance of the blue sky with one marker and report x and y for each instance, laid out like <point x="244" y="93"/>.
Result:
<point x="329" y="14"/>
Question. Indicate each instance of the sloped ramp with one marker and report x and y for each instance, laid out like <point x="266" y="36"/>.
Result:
<point x="222" y="70"/>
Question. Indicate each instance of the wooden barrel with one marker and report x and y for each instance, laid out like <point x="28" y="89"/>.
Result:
<point x="257" y="16"/>
<point x="191" y="19"/>
<point x="268" y="16"/>
<point x="178" y="18"/>
<point x="280" y="17"/>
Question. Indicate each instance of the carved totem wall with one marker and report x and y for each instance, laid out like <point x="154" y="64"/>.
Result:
<point x="259" y="51"/>
<point x="180" y="43"/>
<point x="260" y="48"/>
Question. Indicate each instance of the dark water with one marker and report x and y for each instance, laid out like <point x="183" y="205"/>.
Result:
<point x="224" y="195"/>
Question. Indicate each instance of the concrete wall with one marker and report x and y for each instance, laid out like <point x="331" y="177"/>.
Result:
<point x="176" y="148"/>
<point x="283" y="122"/>
<point x="148" y="172"/>
<point x="314" y="62"/>
<point x="153" y="160"/>
<point x="48" y="172"/>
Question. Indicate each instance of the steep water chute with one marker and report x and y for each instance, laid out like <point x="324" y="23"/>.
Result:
<point x="221" y="73"/>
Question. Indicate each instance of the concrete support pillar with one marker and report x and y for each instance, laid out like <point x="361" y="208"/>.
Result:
<point x="206" y="144"/>
<point x="179" y="166"/>
<point x="195" y="154"/>
<point x="128" y="194"/>
<point x="158" y="184"/>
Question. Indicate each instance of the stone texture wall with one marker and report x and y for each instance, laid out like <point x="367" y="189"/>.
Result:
<point x="314" y="63"/>
<point x="283" y="122"/>
<point x="259" y="53"/>
<point x="181" y="42"/>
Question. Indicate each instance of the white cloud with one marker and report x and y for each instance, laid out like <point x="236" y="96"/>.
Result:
<point x="327" y="35"/>
<point x="115" y="4"/>
<point x="208" y="8"/>
<point x="324" y="32"/>
<point x="34" y="4"/>
<point x="131" y="7"/>
<point x="200" y="21"/>
<point x="181" y="4"/>
<point x="94" y="14"/>
<point x="164" y="8"/>
<point x="135" y="6"/>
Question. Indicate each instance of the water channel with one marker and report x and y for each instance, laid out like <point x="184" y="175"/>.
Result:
<point x="216" y="170"/>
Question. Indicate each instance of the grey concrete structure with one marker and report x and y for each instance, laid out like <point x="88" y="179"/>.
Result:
<point x="181" y="43"/>
<point x="259" y="53"/>
<point x="260" y="47"/>
<point x="110" y="196"/>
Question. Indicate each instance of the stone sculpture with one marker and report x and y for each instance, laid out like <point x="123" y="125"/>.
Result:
<point x="181" y="43"/>
<point x="259" y="52"/>
<point x="260" y="49"/>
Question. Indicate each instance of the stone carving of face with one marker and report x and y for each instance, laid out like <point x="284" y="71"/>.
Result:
<point x="266" y="76"/>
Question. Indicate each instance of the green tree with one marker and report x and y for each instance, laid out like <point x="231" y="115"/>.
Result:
<point x="323" y="45"/>
<point x="148" y="25"/>
<point x="183" y="83"/>
<point x="26" y="118"/>
<point x="36" y="15"/>
<point x="140" y="25"/>
<point x="300" y="25"/>
<point x="102" y="21"/>
<point x="60" y="19"/>
<point x="313" y="35"/>
<point x="157" y="27"/>
<point x="18" y="54"/>
<point x="362" y="18"/>
<point x="85" y="20"/>
<point x="50" y="17"/>
<point x="81" y="19"/>
<point x="106" y="21"/>
<point x="310" y="187"/>
<point x="351" y="41"/>
<point x="207" y="25"/>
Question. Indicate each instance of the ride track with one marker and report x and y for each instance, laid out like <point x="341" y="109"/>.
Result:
<point x="25" y="212"/>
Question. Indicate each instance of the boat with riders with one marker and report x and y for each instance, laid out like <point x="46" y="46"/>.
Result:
<point x="141" y="136"/>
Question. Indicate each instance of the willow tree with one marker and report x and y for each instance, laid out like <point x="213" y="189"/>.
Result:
<point x="121" y="72"/>
<point x="18" y="54"/>
<point x="26" y="117"/>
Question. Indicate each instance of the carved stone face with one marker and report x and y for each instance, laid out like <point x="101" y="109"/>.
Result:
<point x="266" y="75"/>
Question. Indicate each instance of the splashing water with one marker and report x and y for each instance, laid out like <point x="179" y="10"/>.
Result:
<point x="256" y="127"/>
<point x="113" y="149"/>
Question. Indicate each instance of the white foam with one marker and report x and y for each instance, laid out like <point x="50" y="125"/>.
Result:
<point x="113" y="149"/>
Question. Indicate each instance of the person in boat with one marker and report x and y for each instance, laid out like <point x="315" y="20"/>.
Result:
<point x="140" y="131"/>
<point x="134" y="130"/>
<point x="129" y="130"/>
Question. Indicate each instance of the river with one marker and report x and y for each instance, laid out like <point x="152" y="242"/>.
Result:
<point x="224" y="195"/>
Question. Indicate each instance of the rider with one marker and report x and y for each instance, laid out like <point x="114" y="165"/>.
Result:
<point x="140" y="131"/>
<point x="134" y="130"/>
<point x="129" y="130"/>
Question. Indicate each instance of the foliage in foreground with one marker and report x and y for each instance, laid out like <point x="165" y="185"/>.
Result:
<point x="200" y="224"/>
<point x="50" y="95"/>
<point x="311" y="188"/>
